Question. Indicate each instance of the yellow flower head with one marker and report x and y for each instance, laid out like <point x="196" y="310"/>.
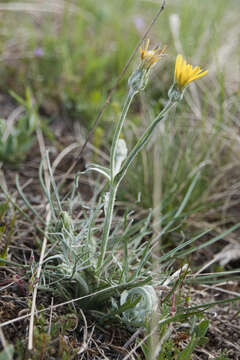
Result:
<point x="185" y="73"/>
<point x="150" y="57"/>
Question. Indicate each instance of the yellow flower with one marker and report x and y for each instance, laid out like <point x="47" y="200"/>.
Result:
<point x="150" y="57"/>
<point x="185" y="73"/>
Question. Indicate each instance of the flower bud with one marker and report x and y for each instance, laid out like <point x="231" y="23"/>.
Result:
<point x="148" y="59"/>
<point x="138" y="80"/>
<point x="175" y="93"/>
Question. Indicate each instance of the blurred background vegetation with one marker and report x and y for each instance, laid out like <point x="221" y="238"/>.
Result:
<point x="71" y="52"/>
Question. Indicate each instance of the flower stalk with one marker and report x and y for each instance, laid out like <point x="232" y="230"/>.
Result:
<point x="137" y="82"/>
<point x="184" y="74"/>
<point x="118" y="129"/>
<point x="109" y="206"/>
<point x="142" y="141"/>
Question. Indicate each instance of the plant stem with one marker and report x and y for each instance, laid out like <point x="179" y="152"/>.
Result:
<point x="118" y="129"/>
<point x="107" y="224"/>
<point x="141" y="142"/>
<point x="113" y="187"/>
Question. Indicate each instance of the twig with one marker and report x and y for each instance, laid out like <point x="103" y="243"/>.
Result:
<point x="133" y="337"/>
<point x="217" y="288"/>
<point x="85" y="342"/>
<point x="5" y="345"/>
<point x="44" y="245"/>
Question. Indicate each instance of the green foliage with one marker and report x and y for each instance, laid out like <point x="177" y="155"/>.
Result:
<point x="222" y="357"/>
<point x="73" y="268"/>
<point x="197" y="338"/>
<point x="19" y="141"/>
<point x="16" y="140"/>
<point x="180" y="346"/>
<point x="6" y="231"/>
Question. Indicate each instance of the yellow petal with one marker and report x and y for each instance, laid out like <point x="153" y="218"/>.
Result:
<point x="198" y="76"/>
<point x="178" y="66"/>
<point x="186" y="73"/>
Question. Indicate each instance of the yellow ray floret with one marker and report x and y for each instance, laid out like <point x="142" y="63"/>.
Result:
<point x="185" y="73"/>
<point x="150" y="57"/>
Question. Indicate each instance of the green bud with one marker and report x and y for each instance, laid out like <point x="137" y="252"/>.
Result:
<point x="174" y="93"/>
<point x="138" y="80"/>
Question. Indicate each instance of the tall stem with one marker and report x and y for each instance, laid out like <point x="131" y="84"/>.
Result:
<point x="113" y="187"/>
<point x="117" y="132"/>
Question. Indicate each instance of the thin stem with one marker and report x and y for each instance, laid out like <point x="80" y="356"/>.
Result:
<point x="113" y="187"/>
<point x="141" y="142"/>
<point x="115" y="182"/>
<point x="118" y="129"/>
<point x="107" y="224"/>
<point x="44" y="245"/>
